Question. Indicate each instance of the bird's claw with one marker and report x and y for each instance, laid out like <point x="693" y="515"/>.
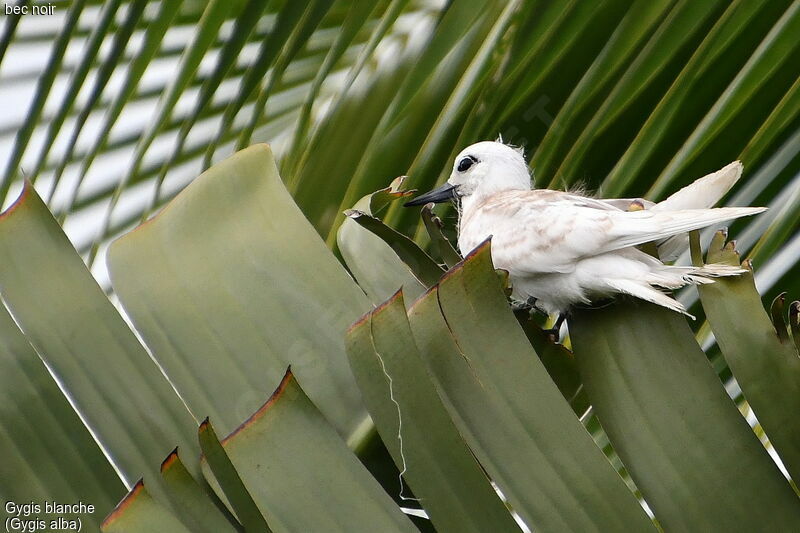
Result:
<point x="552" y="334"/>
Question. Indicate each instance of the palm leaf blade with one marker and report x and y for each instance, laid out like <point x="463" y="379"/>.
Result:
<point x="647" y="397"/>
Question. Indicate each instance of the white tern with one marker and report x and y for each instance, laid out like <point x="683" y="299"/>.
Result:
<point x="565" y="248"/>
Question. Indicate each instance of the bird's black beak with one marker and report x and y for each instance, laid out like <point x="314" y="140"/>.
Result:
<point x="445" y="193"/>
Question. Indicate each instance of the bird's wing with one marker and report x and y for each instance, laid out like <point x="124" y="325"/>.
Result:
<point x="639" y="227"/>
<point x="704" y="192"/>
<point x="551" y="233"/>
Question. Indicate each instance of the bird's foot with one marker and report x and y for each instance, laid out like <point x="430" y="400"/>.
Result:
<point x="527" y="305"/>
<point x="554" y="332"/>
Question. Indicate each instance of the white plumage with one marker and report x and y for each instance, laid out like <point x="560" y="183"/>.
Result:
<point x="562" y="248"/>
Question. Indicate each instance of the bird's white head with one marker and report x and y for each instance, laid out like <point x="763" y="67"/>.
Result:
<point x="480" y="170"/>
<point x="489" y="167"/>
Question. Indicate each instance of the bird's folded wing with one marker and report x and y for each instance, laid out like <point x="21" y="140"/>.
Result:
<point x="631" y="229"/>
<point x="553" y="236"/>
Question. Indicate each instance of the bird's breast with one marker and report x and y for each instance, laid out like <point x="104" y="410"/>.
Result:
<point x="534" y="241"/>
<point x="472" y="232"/>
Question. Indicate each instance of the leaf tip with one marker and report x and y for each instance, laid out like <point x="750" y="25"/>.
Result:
<point x="398" y="295"/>
<point x="20" y="200"/>
<point x="123" y="504"/>
<point x="170" y="460"/>
<point x="288" y="377"/>
<point x="360" y="322"/>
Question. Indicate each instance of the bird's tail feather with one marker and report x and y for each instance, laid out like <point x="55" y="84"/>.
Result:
<point x="645" y="292"/>
<point x="673" y="277"/>
<point x="718" y="270"/>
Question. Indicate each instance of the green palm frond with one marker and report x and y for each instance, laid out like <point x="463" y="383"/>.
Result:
<point x="632" y="98"/>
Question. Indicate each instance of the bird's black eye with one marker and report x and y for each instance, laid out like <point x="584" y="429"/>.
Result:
<point x="465" y="163"/>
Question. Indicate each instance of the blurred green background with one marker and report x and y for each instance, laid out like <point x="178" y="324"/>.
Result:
<point x="110" y="108"/>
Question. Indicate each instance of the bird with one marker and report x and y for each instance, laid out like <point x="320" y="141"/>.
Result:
<point x="563" y="248"/>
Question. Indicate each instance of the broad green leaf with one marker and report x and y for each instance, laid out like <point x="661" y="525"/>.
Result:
<point x="138" y="511"/>
<point x="302" y="475"/>
<point x="424" y="268"/>
<point x="48" y="454"/>
<point x="415" y="426"/>
<point x="766" y="368"/>
<point x="150" y="170"/>
<point x="119" y="390"/>
<point x="258" y="292"/>
<point x="373" y="263"/>
<point x="126" y="221"/>
<point x="511" y="413"/>
<point x="219" y="468"/>
<point x="559" y="362"/>
<point x="695" y="459"/>
<point x="194" y="504"/>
